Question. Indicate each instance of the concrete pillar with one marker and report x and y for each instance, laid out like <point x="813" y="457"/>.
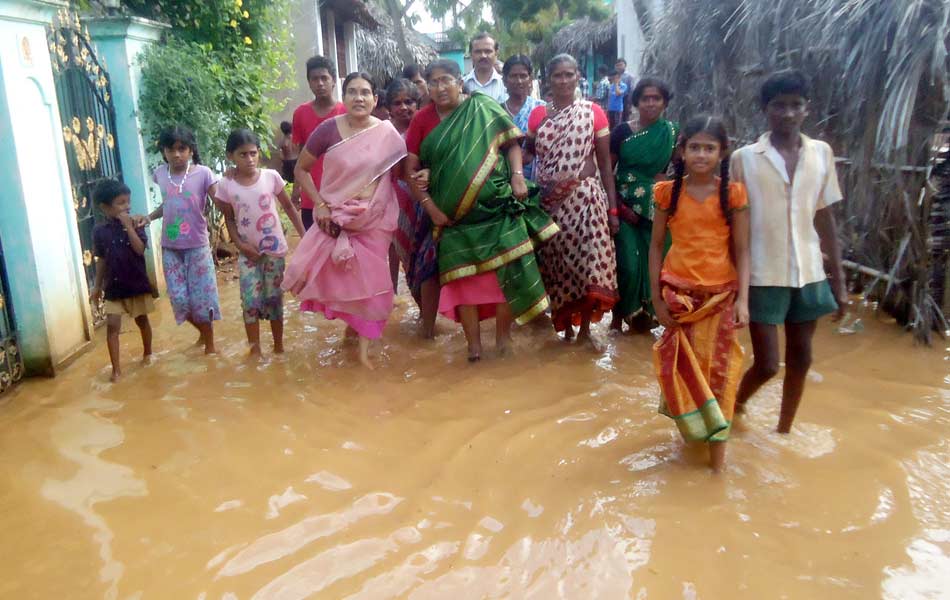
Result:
<point x="120" y="41"/>
<point x="318" y="28"/>
<point x="349" y="39"/>
<point x="330" y="48"/>
<point x="38" y="229"/>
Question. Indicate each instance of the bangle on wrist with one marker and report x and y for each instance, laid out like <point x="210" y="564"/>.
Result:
<point x="426" y="199"/>
<point x="518" y="173"/>
<point x="613" y="212"/>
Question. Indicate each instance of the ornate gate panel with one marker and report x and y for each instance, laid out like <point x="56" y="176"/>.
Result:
<point x="11" y="363"/>
<point x="88" y="114"/>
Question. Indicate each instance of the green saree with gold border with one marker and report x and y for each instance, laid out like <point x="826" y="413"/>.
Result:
<point x="470" y="181"/>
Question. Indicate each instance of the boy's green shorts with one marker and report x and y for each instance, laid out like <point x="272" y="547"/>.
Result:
<point x="777" y="305"/>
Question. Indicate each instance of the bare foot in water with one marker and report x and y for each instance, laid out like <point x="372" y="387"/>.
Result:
<point x="569" y="333"/>
<point x="210" y="349"/>
<point x="364" y="353"/>
<point x="616" y="324"/>
<point x="255" y="351"/>
<point x="116" y="374"/>
<point x="503" y="347"/>
<point x="278" y="347"/>
<point x="474" y="354"/>
<point x="146" y="359"/>
<point x="586" y="339"/>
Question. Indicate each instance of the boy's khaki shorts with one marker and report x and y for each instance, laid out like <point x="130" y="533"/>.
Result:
<point x="135" y="307"/>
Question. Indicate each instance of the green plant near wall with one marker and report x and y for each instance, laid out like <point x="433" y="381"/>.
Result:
<point x="221" y="66"/>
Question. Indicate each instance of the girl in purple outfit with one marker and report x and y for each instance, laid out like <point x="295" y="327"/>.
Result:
<point x="186" y="253"/>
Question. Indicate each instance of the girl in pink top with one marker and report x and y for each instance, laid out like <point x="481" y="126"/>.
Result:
<point x="249" y="203"/>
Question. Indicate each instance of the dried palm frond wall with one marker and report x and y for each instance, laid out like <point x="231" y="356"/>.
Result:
<point x="378" y="53"/>
<point x="879" y="72"/>
<point x="584" y="35"/>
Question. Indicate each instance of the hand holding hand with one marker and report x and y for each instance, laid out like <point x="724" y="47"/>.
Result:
<point x="628" y="215"/>
<point x="421" y="179"/>
<point x="140" y="221"/>
<point x="614" y="223"/>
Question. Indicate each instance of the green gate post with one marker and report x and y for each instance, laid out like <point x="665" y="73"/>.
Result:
<point x="42" y="253"/>
<point x="120" y="40"/>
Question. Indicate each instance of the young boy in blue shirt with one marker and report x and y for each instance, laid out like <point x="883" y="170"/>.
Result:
<point x="618" y="90"/>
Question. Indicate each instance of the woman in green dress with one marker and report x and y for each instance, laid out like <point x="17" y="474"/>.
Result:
<point x="641" y="149"/>
<point x="465" y="170"/>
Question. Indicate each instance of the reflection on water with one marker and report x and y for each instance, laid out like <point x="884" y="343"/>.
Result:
<point x="545" y="475"/>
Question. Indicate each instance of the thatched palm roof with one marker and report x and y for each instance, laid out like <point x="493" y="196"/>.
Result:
<point x="585" y="34"/>
<point x="879" y="71"/>
<point x="378" y="52"/>
<point x="353" y="10"/>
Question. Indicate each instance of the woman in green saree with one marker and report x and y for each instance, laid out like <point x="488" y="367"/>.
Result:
<point x="464" y="167"/>
<point x="641" y="151"/>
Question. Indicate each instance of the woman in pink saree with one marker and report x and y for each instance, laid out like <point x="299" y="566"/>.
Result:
<point x="341" y="267"/>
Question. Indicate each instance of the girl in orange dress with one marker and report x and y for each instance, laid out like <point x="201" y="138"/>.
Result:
<point x="700" y="290"/>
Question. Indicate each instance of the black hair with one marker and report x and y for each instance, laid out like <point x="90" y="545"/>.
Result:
<point x="517" y="59"/>
<point x="613" y="73"/>
<point x="398" y="86"/>
<point x="621" y="59"/>
<point x="654" y="82"/>
<point x="240" y="137"/>
<point x="714" y="127"/>
<point x="108" y="190"/>
<point x="360" y="75"/>
<point x="789" y="81"/>
<point x="448" y="65"/>
<point x="170" y="136"/>
<point x="481" y="35"/>
<point x="410" y="71"/>
<point x="558" y="59"/>
<point x="286" y="127"/>
<point x="320" y="62"/>
<point x="602" y="70"/>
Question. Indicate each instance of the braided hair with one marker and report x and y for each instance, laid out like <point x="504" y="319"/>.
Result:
<point x="712" y="126"/>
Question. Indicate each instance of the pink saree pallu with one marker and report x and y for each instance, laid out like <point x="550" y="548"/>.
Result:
<point x="347" y="277"/>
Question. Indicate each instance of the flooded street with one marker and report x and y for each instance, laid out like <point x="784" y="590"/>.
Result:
<point x="546" y="475"/>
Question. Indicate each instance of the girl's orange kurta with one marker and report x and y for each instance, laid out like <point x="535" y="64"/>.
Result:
<point x="700" y="257"/>
<point x="698" y="363"/>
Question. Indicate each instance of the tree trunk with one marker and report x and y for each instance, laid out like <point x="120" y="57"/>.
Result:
<point x="395" y="10"/>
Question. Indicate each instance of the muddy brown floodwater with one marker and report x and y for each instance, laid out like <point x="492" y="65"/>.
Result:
<point x="545" y="475"/>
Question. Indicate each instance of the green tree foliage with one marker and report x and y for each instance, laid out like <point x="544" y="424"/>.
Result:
<point x="223" y="63"/>
<point x="520" y="25"/>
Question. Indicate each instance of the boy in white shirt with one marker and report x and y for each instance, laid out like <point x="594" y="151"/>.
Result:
<point x="792" y="185"/>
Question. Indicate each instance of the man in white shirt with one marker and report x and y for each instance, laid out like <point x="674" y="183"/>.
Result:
<point x="792" y="185"/>
<point x="484" y="78"/>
